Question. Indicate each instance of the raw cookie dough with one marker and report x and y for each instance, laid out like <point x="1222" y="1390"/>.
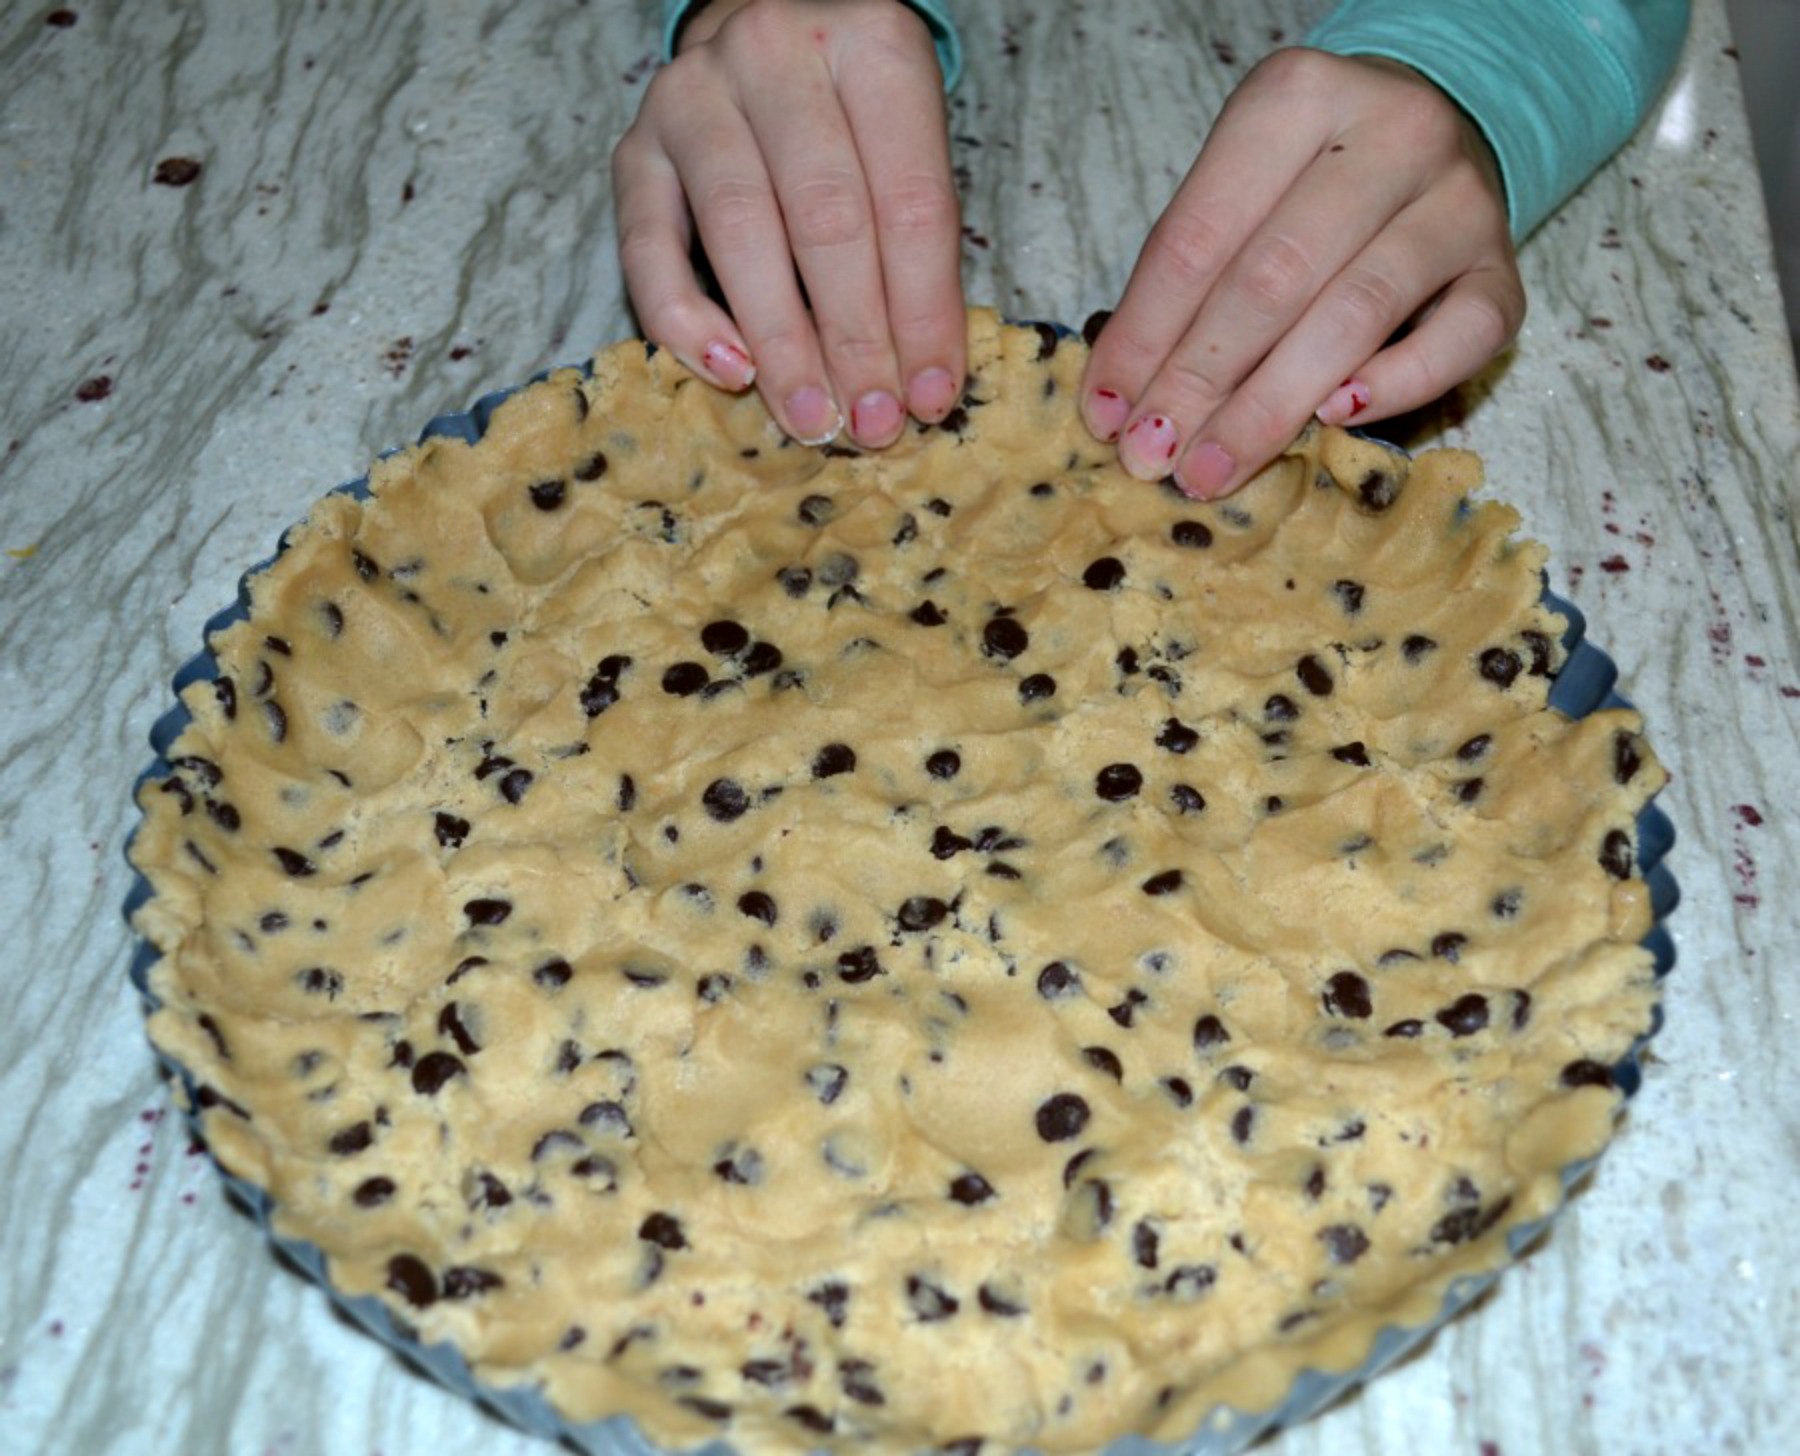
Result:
<point x="943" y="946"/>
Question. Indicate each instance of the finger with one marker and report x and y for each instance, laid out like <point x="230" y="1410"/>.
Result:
<point x="896" y="115"/>
<point x="740" y="224"/>
<point x="1477" y="317"/>
<point x="1265" y="136"/>
<point x="1330" y="215"/>
<point x="1340" y="337"/>
<point x="830" y="220"/>
<point x="671" y="306"/>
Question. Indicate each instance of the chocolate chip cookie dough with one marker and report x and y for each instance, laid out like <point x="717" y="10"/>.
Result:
<point x="941" y="947"/>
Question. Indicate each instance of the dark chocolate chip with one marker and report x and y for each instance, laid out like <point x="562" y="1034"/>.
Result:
<point x="1505" y="905"/>
<point x="348" y="1141"/>
<point x="927" y="614"/>
<point x="408" y="1277"/>
<point x="547" y="495"/>
<point x="859" y="965"/>
<point x="795" y="580"/>
<point x="1209" y="1032"/>
<point x="1057" y="982"/>
<point x="946" y="763"/>
<point x="451" y="831"/>
<point x="592" y="468"/>
<point x="1586" y="1073"/>
<point x="1417" y="647"/>
<point x="664" y="1231"/>
<point x="1104" y="574"/>
<point x="1280" y="708"/>
<point x="833" y="759"/>
<point x="815" y="510"/>
<point x="462" y="1281"/>
<point x="945" y="843"/>
<point x="514" y="784"/>
<point x="1195" y="535"/>
<point x="1349" y="595"/>
<point x="1615" y="854"/>
<point x="930" y="1302"/>
<point x="1003" y="638"/>
<point x="1500" y="666"/>
<point x="1176" y="736"/>
<point x="1038" y="686"/>
<point x="1465" y="1016"/>
<point x="1165" y="883"/>
<point x="1190" y="1281"/>
<point x="1313" y="676"/>
<point x="1352" y="753"/>
<point x="372" y="1192"/>
<point x="1103" y="1059"/>
<point x="487" y="911"/>
<point x="1186" y="799"/>
<point x="1347" y="994"/>
<point x="1118" y="782"/>
<point x="1378" y="490"/>
<point x="1467" y="791"/>
<point x="971" y="1188"/>
<point x="294" y="863"/>
<point x="1626" y="758"/>
<point x="1180" y="1091"/>
<point x="725" y="800"/>
<point x="1448" y="946"/>
<point x="921" y="912"/>
<point x="1061" y="1117"/>
<point x="553" y="974"/>
<point x="998" y="1304"/>
<point x="433" y="1070"/>
<point x="827" y="1081"/>
<point x="1408" y="1028"/>
<point x="724" y="638"/>
<point x="1475" y="747"/>
<point x="1344" y="1243"/>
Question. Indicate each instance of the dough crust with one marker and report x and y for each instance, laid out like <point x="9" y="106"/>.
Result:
<point x="904" y="949"/>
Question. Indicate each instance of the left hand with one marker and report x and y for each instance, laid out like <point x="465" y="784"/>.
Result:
<point x="1335" y="199"/>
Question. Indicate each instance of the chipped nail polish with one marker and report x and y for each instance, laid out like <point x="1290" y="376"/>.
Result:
<point x="875" y="418"/>
<point x="811" y="415"/>
<point x="1206" y="472"/>
<point x="1348" y="401"/>
<point x="1106" y="412"/>
<point x="1148" y="446"/>
<point x="728" y="365"/>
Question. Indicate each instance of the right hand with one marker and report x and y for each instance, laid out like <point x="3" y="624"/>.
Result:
<point x="808" y="138"/>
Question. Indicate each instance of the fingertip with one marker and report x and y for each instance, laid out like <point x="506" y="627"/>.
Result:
<point x="727" y="365"/>
<point x="931" y="394"/>
<point x="1208" y="472"/>
<point x="1349" y="400"/>
<point x="1104" y="412"/>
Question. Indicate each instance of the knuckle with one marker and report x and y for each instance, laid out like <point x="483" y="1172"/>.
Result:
<point x="853" y="352"/>
<point x="732" y="209"/>
<point x="1490" y="320"/>
<point x="922" y="202"/>
<point x="1188" y="245"/>
<point x="1369" y="302"/>
<point x="1276" y="271"/>
<point x="1191" y="386"/>
<point x="1256" y="419"/>
<point x="827" y="210"/>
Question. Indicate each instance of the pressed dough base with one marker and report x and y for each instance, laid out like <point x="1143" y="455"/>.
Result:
<point x="572" y="918"/>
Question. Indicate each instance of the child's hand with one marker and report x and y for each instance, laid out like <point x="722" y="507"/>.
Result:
<point x="1334" y="200"/>
<point x="809" y="136"/>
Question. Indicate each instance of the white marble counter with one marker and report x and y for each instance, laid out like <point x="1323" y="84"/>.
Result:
<point x="400" y="206"/>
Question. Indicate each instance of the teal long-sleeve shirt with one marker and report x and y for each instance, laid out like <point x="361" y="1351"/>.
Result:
<point x="1556" y="86"/>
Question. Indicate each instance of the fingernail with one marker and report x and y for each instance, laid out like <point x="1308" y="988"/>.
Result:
<point x="1106" y="411"/>
<point x="931" y="394"/>
<point x="875" y="418"/>
<point x="812" y="416"/>
<point x="1348" y="401"/>
<point x="1148" y="447"/>
<point x="1206" y="472"/>
<point x="728" y="365"/>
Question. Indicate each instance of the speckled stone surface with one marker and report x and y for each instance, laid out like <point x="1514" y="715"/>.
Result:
<point x="394" y="209"/>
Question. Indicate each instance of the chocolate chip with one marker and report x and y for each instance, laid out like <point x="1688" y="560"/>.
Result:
<point x="1408" y="1028"/>
<point x="451" y="831"/>
<point x="348" y="1141"/>
<point x="664" y="1231"/>
<point x="834" y="1299"/>
<point x="1626" y="758"/>
<point x="1165" y="883"/>
<point x="553" y="974"/>
<point x="827" y="1081"/>
<point x="1344" y="1243"/>
<point x="1378" y="490"/>
<point x="514" y="784"/>
<point x="1096" y="321"/>
<point x="487" y="911"/>
<point x="859" y="965"/>
<point x="433" y="1070"/>
<point x="1237" y="1077"/>
<point x="1313" y="676"/>
<point x="1057" y="982"/>
<point x="1104" y="574"/>
<point x="1351" y="753"/>
<point x="1280" y="708"/>
<point x="1347" y="994"/>
<point x="811" y="1418"/>
<point x="921" y="912"/>
<point x="815" y="510"/>
<point x="1500" y="666"/>
<point x="930" y="1302"/>
<point x="373" y="1192"/>
<point x="725" y="800"/>
<point x="1521" y="1013"/>
<point x="1180" y="1091"/>
<point x="1176" y="736"/>
<point x="547" y="495"/>
<point x="926" y="614"/>
<point x="946" y="763"/>
<point x="451" y="1024"/>
<point x="998" y="1304"/>
<point x="724" y="638"/>
<point x="758" y="906"/>
<point x="1209" y="1032"/>
<point x="1349" y="595"/>
<point x="1117" y="782"/>
<point x="1103" y="1059"/>
<point x="795" y="580"/>
<point x="1585" y="1073"/>
<point x="1003" y="638"/>
<point x="1449" y="945"/>
<point x="408" y="1277"/>
<point x="592" y="468"/>
<point x="1467" y="791"/>
<point x="1061" y="1117"/>
<point x="854" y="1376"/>
<point x="833" y="759"/>
<point x="1538" y="645"/>
<point x="1615" y="854"/>
<point x="1186" y="799"/>
<point x="945" y="844"/>
<point x="1195" y="535"/>
<point x="1417" y="647"/>
<point x="839" y="569"/>
<point x="294" y="863"/>
<point x="1465" y="1016"/>
<point x="1038" y="686"/>
<point x="462" y="1281"/>
<point x="970" y="1189"/>
<point x="1475" y="747"/>
<point x="1505" y="905"/>
<point x="1190" y="1281"/>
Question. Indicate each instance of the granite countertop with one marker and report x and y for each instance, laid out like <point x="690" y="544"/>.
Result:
<point x="244" y="247"/>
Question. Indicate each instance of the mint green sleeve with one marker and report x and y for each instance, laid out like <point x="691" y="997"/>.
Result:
<point x="1556" y="85"/>
<point x="932" y="12"/>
